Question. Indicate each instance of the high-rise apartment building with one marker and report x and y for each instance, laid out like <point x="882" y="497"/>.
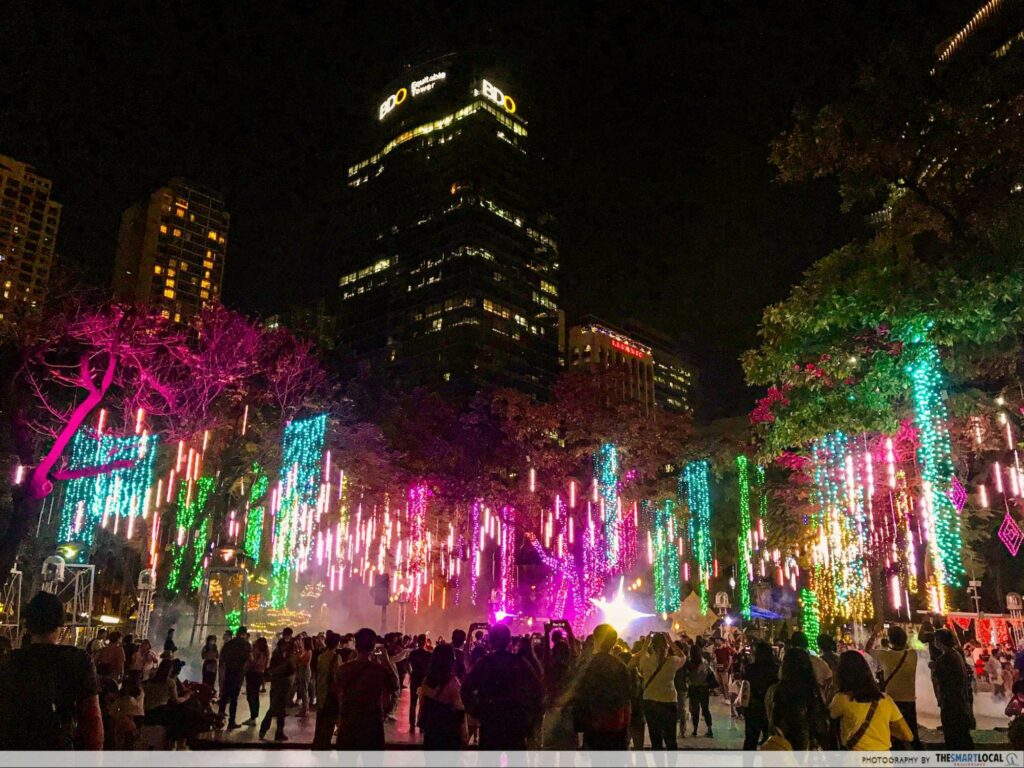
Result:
<point x="453" y="278"/>
<point x="28" y="235"/>
<point x="171" y="249"/>
<point x="655" y="373"/>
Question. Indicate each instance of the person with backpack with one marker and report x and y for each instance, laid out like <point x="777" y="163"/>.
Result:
<point x="49" y="695"/>
<point x="899" y="676"/>
<point x="867" y="716"/>
<point x="658" y="662"/>
<point x="504" y="693"/>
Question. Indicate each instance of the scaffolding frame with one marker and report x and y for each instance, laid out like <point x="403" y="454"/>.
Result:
<point x="201" y="622"/>
<point x="10" y="610"/>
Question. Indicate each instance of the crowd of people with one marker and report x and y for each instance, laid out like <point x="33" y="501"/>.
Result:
<point x="494" y="690"/>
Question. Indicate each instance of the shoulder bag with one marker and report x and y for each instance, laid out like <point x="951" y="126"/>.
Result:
<point x="855" y="739"/>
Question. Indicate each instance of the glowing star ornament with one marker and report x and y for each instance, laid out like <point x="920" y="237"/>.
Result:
<point x="617" y="611"/>
<point x="957" y="494"/>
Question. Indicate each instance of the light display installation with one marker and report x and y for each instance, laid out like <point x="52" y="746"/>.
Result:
<point x="301" y="463"/>
<point x="695" y="476"/>
<point x="123" y="492"/>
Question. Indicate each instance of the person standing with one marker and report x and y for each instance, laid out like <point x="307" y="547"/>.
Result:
<point x="94" y="646"/>
<point x="504" y="693"/>
<point x="210" y="656"/>
<point x="953" y="688"/>
<point x="698" y="688"/>
<point x="220" y="662"/>
<point x="255" y="669"/>
<point x="281" y="671"/>
<point x="658" y="661"/>
<point x="899" y="677"/>
<point x="442" y="715"/>
<point x="327" y="692"/>
<point x="143" y="661"/>
<point x="303" y="673"/>
<point x="459" y="649"/>
<point x="112" y="654"/>
<point x="760" y="675"/>
<point x="363" y="685"/>
<point x="169" y="647"/>
<point x="794" y="704"/>
<point x="49" y="696"/>
<point x="601" y="704"/>
<point x="867" y="717"/>
<point x="233" y="658"/>
<point x="419" y="661"/>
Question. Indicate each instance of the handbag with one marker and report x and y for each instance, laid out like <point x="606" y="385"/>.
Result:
<point x="776" y="743"/>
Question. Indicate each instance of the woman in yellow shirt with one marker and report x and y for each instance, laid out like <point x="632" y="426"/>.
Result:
<point x="859" y="701"/>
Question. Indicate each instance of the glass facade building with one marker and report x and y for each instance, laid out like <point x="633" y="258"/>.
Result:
<point x="453" y="278"/>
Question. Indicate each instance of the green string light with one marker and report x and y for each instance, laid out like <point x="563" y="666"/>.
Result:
<point x="121" y="492"/>
<point x="666" y="559"/>
<point x="301" y="464"/>
<point x="698" y="499"/>
<point x="745" y="570"/>
<point x="254" y="520"/>
<point x="233" y="619"/>
<point x="935" y="455"/>
<point x="810" y="624"/>
<point x="202" y="539"/>
<point x="187" y="513"/>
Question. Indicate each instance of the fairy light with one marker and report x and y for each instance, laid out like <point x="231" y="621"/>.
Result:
<point x="301" y="465"/>
<point x="189" y="509"/>
<point x="935" y="454"/>
<point x="810" y="623"/>
<point x="744" y="542"/>
<point x="254" y="519"/>
<point x="119" y="491"/>
<point x="666" y="560"/>
<point x="695" y="477"/>
<point x="606" y="476"/>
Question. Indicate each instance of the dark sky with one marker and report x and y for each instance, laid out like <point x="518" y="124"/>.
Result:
<point x="653" y="119"/>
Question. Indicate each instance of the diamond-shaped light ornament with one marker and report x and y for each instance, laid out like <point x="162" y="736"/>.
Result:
<point x="957" y="494"/>
<point x="1011" y="535"/>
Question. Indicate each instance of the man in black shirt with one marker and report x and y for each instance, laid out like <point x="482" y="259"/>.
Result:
<point x="419" y="660"/>
<point x="504" y="693"/>
<point x="362" y="685"/>
<point x="47" y="688"/>
<point x="602" y="701"/>
<point x="233" y="657"/>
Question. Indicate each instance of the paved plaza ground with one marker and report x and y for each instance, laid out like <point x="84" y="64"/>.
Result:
<point x="728" y="731"/>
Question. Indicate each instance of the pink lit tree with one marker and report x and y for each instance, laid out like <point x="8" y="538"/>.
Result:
<point x="64" y="365"/>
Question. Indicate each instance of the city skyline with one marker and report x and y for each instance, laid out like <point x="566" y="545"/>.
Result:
<point x="654" y="157"/>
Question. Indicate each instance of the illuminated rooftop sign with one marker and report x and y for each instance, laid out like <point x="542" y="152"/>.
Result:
<point x="499" y="98"/>
<point x="416" y="88"/>
<point x="629" y="350"/>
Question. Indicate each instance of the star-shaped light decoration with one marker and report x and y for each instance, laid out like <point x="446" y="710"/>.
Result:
<point x="617" y="611"/>
<point x="957" y="494"/>
<point x="1011" y="535"/>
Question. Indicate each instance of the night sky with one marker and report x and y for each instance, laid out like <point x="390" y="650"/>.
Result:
<point x="653" y="121"/>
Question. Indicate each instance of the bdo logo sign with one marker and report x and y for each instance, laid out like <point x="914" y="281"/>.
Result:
<point x="393" y="101"/>
<point x="499" y="98"/>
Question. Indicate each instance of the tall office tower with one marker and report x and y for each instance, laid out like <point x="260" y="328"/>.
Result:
<point x="454" y="279"/>
<point x="171" y="248"/>
<point x="28" y="235"/>
<point x="655" y="373"/>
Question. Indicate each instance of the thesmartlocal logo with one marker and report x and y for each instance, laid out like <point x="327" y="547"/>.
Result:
<point x="978" y="758"/>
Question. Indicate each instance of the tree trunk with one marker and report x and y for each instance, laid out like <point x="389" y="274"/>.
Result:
<point x="24" y="513"/>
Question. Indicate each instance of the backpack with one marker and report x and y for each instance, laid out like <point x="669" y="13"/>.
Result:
<point x="31" y="711"/>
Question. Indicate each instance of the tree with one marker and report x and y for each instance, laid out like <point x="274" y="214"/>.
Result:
<point x="76" y="358"/>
